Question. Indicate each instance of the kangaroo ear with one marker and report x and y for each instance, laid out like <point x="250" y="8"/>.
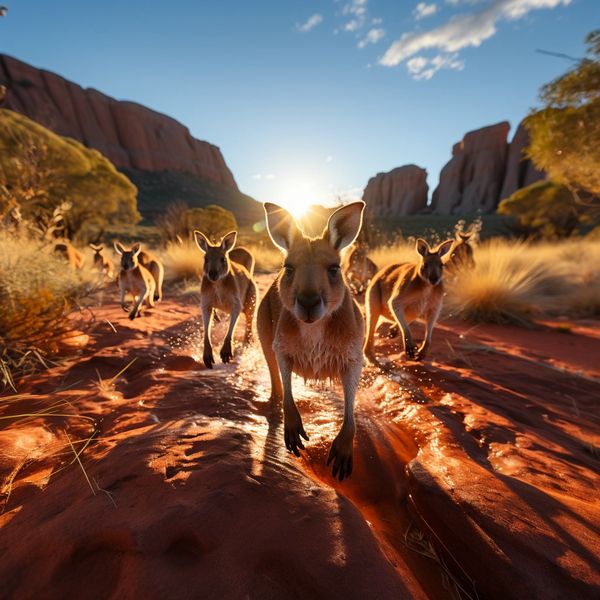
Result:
<point x="445" y="247"/>
<point x="465" y="237"/>
<point x="228" y="241"/>
<point x="118" y="248"/>
<point x="94" y="247"/>
<point x="201" y="240"/>
<point x="136" y="249"/>
<point x="344" y="225"/>
<point x="281" y="226"/>
<point x="422" y="247"/>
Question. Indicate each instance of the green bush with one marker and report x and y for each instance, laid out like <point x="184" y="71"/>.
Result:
<point x="40" y="170"/>
<point x="544" y="210"/>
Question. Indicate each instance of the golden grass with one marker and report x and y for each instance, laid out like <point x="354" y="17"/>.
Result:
<point x="37" y="292"/>
<point x="182" y="261"/>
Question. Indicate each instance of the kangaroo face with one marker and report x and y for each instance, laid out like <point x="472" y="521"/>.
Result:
<point x="311" y="286"/>
<point x="98" y="252"/>
<point x="216" y="257"/>
<point x="431" y="266"/>
<point x="129" y="258"/>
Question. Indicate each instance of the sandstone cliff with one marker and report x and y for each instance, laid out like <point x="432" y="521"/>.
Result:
<point x="472" y="180"/>
<point x="130" y="135"/>
<point x="520" y="171"/>
<point x="402" y="191"/>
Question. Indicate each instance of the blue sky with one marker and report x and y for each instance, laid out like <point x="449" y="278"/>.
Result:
<point x="307" y="99"/>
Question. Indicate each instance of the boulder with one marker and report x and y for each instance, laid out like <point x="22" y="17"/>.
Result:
<point x="401" y="191"/>
<point x="472" y="180"/>
<point x="520" y="170"/>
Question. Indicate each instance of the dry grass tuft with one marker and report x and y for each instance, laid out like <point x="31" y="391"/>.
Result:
<point x="38" y="290"/>
<point x="182" y="261"/>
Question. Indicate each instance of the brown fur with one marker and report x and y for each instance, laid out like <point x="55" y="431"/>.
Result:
<point x="309" y="324"/>
<point x="461" y="256"/>
<point x="102" y="261"/>
<point x="134" y="278"/>
<point x="66" y="249"/>
<point x="403" y="293"/>
<point x="148" y="260"/>
<point x="358" y="268"/>
<point x="243" y="257"/>
<point x="226" y="286"/>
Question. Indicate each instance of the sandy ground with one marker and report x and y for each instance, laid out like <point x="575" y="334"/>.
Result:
<point x="476" y="473"/>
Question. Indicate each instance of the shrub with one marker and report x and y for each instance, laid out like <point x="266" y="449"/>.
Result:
<point x="37" y="293"/>
<point x="543" y="209"/>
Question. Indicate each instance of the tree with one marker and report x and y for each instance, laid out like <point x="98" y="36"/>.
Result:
<point x="565" y="133"/>
<point x="40" y="171"/>
<point x="214" y="221"/>
<point x="543" y="209"/>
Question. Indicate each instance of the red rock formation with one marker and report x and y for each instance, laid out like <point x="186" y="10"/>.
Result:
<point x="471" y="181"/>
<point x="520" y="171"/>
<point x="402" y="191"/>
<point x="130" y="135"/>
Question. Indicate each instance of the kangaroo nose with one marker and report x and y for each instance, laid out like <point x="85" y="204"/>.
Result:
<point x="308" y="301"/>
<point x="212" y="275"/>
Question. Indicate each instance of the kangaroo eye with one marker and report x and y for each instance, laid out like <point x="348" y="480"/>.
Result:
<point x="333" y="270"/>
<point x="288" y="269"/>
<point x="223" y="260"/>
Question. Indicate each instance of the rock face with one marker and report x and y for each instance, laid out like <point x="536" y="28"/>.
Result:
<point x="129" y="134"/>
<point x="402" y="191"/>
<point x="472" y="180"/>
<point x="520" y="170"/>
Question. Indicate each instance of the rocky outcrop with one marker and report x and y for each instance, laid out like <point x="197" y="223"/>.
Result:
<point x="402" y="191"/>
<point x="129" y="134"/>
<point x="520" y="170"/>
<point x="472" y="180"/>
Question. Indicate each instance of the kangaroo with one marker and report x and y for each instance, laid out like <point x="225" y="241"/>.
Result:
<point x="358" y="268"/>
<point x="461" y="257"/>
<point x="66" y="249"/>
<point x="157" y="270"/>
<point x="243" y="257"/>
<point x="309" y="324"/>
<point x="402" y="293"/>
<point x="134" y="278"/>
<point x="226" y="286"/>
<point x="102" y="261"/>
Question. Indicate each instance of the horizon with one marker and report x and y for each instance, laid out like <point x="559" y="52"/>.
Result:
<point x="275" y="112"/>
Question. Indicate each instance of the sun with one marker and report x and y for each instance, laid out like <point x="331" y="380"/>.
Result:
<point x="297" y="197"/>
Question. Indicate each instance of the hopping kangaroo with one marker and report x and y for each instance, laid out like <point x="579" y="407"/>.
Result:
<point x="228" y="286"/>
<point x="102" y="261"/>
<point x="358" y="268"/>
<point x="402" y="293"/>
<point x="309" y="324"/>
<point x="134" y="278"/>
<point x="157" y="270"/>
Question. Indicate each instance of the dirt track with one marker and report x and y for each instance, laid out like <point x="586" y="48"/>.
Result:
<point x="474" y="473"/>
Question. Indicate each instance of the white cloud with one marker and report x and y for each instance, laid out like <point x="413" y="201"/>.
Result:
<point x="377" y="21"/>
<point x="423" y="10"/>
<point x="420" y="67"/>
<point x="270" y="176"/>
<point x="311" y="22"/>
<point x="328" y="158"/>
<point x="462" y="31"/>
<point x="357" y="12"/>
<point x="372" y="37"/>
<point x="259" y="176"/>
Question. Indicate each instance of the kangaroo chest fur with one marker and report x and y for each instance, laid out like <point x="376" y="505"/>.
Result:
<point x="133" y="280"/>
<point x="315" y="352"/>
<point x="220" y="294"/>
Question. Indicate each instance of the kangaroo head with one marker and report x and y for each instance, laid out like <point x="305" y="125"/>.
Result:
<point x="129" y="258"/>
<point x="216" y="257"/>
<point x="462" y="253"/>
<point x="311" y="285"/>
<point x="97" y="249"/>
<point x="431" y="264"/>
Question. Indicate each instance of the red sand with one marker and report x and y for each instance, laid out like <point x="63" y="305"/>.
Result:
<point x="486" y="458"/>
